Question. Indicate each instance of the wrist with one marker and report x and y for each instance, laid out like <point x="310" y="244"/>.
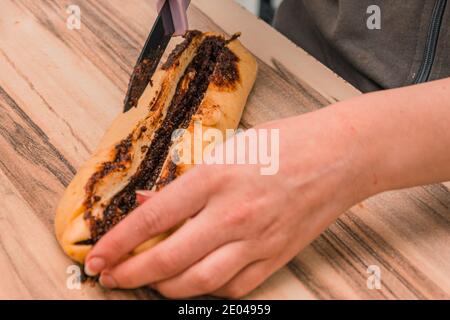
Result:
<point x="335" y="151"/>
<point x="367" y="171"/>
<point x="386" y="141"/>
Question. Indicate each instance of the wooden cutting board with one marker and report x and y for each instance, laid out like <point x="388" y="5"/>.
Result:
<point x="61" y="88"/>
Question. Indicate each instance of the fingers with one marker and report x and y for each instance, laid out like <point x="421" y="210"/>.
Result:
<point x="247" y="280"/>
<point x="169" y="207"/>
<point x="210" y="273"/>
<point x="192" y="242"/>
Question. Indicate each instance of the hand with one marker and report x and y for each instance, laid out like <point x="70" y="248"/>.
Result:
<point x="241" y="226"/>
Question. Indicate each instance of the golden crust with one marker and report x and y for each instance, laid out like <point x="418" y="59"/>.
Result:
<point x="221" y="108"/>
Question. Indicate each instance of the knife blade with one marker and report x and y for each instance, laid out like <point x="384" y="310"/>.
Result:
<point x="150" y="56"/>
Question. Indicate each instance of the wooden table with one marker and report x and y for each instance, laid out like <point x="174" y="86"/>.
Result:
<point x="60" y="89"/>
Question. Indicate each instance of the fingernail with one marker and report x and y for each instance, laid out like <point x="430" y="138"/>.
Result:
<point x="94" y="266"/>
<point x="107" y="281"/>
<point x="143" y="195"/>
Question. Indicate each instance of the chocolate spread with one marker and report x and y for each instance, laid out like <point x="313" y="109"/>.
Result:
<point x="142" y="75"/>
<point x="179" y="49"/>
<point x="213" y="62"/>
<point x="226" y="74"/>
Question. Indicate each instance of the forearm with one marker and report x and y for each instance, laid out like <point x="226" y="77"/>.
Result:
<point x="404" y="133"/>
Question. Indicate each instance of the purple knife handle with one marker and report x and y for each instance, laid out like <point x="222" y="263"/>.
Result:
<point x="179" y="16"/>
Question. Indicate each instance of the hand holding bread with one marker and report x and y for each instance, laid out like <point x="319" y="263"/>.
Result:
<point x="206" y="78"/>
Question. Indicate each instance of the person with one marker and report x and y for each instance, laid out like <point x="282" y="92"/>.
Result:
<point x="243" y="226"/>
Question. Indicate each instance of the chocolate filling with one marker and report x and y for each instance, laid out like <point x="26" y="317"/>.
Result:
<point x="122" y="155"/>
<point x="179" y="49"/>
<point x="226" y="74"/>
<point x="189" y="94"/>
<point x="142" y="76"/>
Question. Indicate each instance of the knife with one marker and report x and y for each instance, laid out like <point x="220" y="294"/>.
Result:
<point x="171" y="20"/>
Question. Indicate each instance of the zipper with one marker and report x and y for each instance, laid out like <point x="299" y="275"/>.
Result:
<point x="432" y="41"/>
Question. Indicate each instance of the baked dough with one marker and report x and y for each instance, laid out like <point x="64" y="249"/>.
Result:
<point x="207" y="77"/>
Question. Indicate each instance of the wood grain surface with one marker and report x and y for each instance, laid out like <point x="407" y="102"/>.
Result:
<point x="61" y="88"/>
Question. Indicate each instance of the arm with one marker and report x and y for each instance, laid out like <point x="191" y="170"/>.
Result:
<point x="245" y="226"/>
<point x="406" y="133"/>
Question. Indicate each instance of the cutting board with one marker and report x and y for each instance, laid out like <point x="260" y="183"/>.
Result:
<point x="61" y="87"/>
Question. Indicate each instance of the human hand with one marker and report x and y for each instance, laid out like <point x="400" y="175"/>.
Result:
<point x="241" y="226"/>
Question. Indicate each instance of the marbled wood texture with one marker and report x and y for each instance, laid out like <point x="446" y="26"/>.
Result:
<point x="59" y="91"/>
